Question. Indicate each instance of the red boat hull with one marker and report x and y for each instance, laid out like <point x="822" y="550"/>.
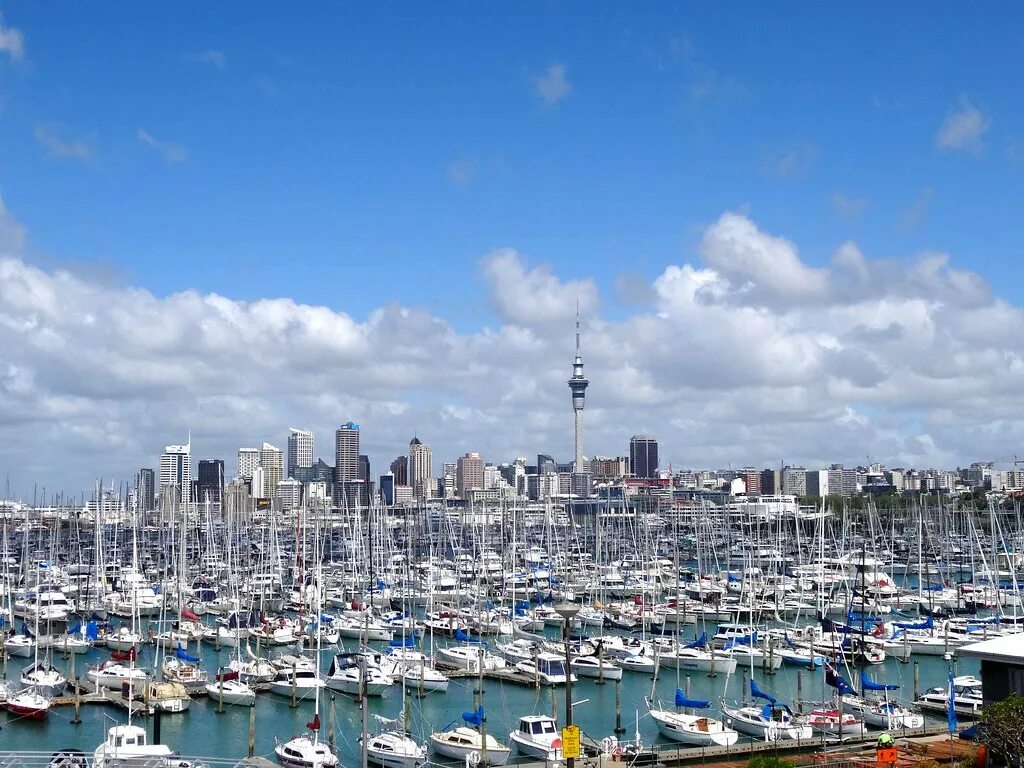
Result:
<point x="34" y="713"/>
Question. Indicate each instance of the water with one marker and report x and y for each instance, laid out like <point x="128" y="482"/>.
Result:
<point x="201" y="731"/>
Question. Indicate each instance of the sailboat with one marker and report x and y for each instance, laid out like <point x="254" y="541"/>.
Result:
<point x="393" y="747"/>
<point x="772" y="722"/>
<point x="461" y="742"/>
<point x="691" y="729"/>
<point x="880" y="712"/>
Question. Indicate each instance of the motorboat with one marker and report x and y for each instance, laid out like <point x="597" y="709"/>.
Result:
<point x="113" y="674"/>
<point x="346" y="676"/>
<point x="229" y="689"/>
<point x="967" y="699"/>
<point x="126" y="746"/>
<point x="305" y="752"/>
<point x="595" y="667"/>
<point x="395" y="749"/>
<point x="463" y="742"/>
<point x="301" y="683"/>
<point x="167" y="696"/>
<point x="537" y="736"/>
<point x="546" y="669"/>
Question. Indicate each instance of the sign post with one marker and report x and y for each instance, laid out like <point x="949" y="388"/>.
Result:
<point x="571" y="742"/>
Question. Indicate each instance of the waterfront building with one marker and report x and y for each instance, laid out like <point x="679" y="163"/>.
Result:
<point x="346" y="452"/>
<point x="420" y="469"/>
<point x="289" y="491"/>
<point x="272" y="463"/>
<point x="248" y="460"/>
<point x="643" y="456"/>
<point x="469" y="473"/>
<point x="176" y="471"/>
<point x="300" y="449"/>
<point x="400" y="470"/>
<point x="210" y="481"/>
<point x="145" y="489"/>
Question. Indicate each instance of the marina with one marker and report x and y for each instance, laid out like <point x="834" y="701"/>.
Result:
<point x="678" y="619"/>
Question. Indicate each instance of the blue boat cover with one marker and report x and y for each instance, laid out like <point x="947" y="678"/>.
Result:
<point x="474" y="718"/>
<point x="838" y="682"/>
<point x="926" y="624"/>
<point x="869" y="685"/>
<point x="757" y="693"/>
<point x="682" y="701"/>
<point x="700" y="642"/>
<point x="180" y="653"/>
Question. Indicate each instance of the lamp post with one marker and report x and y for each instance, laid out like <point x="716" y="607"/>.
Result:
<point x="568" y="612"/>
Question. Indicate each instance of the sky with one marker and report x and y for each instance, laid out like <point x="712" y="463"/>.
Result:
<point x="793" y="231"/>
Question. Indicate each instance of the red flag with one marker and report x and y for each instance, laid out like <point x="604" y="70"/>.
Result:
<point x="315" y="724"/>
<point x="187" y="614"/>
<point x="128" y="655"/>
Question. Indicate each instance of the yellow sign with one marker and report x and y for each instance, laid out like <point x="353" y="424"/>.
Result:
<point x="571" y="741"/>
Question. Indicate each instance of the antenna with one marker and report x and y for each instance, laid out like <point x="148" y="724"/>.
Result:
<point x="577" y="327"/>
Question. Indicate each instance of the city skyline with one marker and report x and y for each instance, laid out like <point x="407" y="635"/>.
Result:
<point x="819" y="273"/>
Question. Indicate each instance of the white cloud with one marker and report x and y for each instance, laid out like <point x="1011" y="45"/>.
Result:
<point x="849" y="207"/>
<point x="462" y="172"/>
<point x="962" y="129"/>
<point x="11" y="41"/>
<point x="553" y="85"/>
<point x="794" y="162"/>
<point x="534" y="296"/>
<point x="210" y="56"/>
<point x="49" y="136"/>
<point x="750" y="356"/>
<point x="172" y="153"/>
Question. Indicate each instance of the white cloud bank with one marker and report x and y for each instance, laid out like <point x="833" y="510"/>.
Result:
<point x="750" y="355"/>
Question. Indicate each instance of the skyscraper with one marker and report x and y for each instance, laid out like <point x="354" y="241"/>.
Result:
<point x="176" y="470"/>
<point x="346" y="452"/>
<point x="400" y="470"/>
<point x="578" y="386"/>
<point x="364" y="467"/>
<point x="248" y="460"/>
<point x="272" y="463"/>
<point x="420" y="470"/>
<point x="300" y="449"/>
<point x="210" y="476"/>
<point x="145" y="486"/>
<point x="469" y="473"/>
<point x="643" y="456"/>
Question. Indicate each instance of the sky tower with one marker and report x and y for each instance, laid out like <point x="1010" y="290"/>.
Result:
<point x="578" y="386"/>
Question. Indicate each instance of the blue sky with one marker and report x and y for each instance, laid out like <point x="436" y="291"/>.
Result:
<point x="361" y="157"/>
<point x="319" y="143"/>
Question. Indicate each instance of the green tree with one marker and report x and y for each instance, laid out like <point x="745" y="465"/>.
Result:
<point x="768" y="761"/>
<point x="1002" y="729"/>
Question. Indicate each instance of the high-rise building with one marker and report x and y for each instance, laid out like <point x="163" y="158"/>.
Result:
<point x="421" y="471"/>
<point x="145" y="487"/>
<point x="248" y="460"/>
<point x="751" y="481"/>
<point x="643" y="456"/>
<point x="469" y="473"/>
<point x="400" y="470"/>
<point x="364" y="467"/>
<point x="794" y="481"/>
<point x="289" y="491"/>
<point x="176" y="470"/>
<point x="578" y="387"/>
<point x="257" y="484"/>
<point x="816" y="482"/>
<point x="300" y="449"/>
<point x="210" y="477"/>
<point x="272" y="462"/>
<point x="346" y="453"/>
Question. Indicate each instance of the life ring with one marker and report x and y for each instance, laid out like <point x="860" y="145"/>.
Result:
<point x="473" y="758"/>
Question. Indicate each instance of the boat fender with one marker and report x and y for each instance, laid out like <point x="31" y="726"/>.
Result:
<point x="473" y="758"/>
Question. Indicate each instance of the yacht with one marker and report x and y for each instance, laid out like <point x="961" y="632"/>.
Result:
<point x="228" y="688"/>
<point x="537" y="736"/>
<point x="302" y="683"/>
<point x="394" y="749"/>
<point x="126" y="747"/>
<point x="697" y="730"/>
<point x="305" y="752"/>
<point x="546" y="669"/>
<point x="44" y="678"/>
<point x="967" y="701"/>
<point x="460" y="743"/>
<point x="768" y="723"/>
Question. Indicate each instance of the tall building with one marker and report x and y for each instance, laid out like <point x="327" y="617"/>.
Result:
<point x="248" y="460"/>
<point x="400" y="470"/>
<point x="272" y="463"/>
<point x="257" y="484"/>
<point x="578" y="387"/>
<point x="210" y="477"/>
<point x="469" y="473"/>
<point x="346" y="453"/>
<point x="300" y="450"/>
<point x="421" y="471"/>
<point x="794" y="481"/>
<point x="751" y="481"/>
<point x="145" y="487"/>
<point x="364" y="467"/>
<point x="643" y="456"/>
<point x="176" y="470"/>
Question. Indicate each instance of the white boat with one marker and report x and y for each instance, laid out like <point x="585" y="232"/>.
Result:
<point x="424" y="678"/>
<point x="302" y="683"/>
<point x="697" y="730"/>
<point x="112" y="674"/>
<point x="768" y="723"/>
<point x="126" y="747"/>
<point x="699" y="660"/>
<point x="44" y="678"/>
<point x="537" y="736"/>
<point x="229" y="689"/>
<point x="345" y="676"/>
<point x="462" y="742"/>
<point x="638" y="663"/>
<point x="834" y="724"/>
<point x="167" y="697"/>
<point x="305" y="752"/>
<point x="595" y="667"/>
<point x="28" y="704"/>
<point x="546" y="669"/>
<point x="888" y="715"/>
<point x="967" y="700"/>
<point x="20" y="646"/>
<point x="122" y="639"/>
<point x="469" y="657"/>
<point x="394" y="749"/>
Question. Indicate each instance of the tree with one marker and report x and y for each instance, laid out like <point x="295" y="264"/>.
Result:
<point x="1002" y="729"/>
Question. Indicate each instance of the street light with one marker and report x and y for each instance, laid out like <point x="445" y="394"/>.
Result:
<point x="568" y="612"/>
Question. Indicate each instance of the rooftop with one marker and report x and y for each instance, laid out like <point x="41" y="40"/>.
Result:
<point x="1008" y="648"/>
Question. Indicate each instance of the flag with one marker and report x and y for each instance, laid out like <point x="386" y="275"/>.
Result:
<point x="951" y="706"/>
<point x="188" y="614"/>
<point x="314" y="724"/>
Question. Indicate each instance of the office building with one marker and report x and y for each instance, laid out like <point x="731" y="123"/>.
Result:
<point x="400" y="470"/>
<point x="300" y="450"/>
<point x="248" y="460"/>
<point x="176" y="471"/>
<point x="364" y="468"/>
<point x="346" y="453"/>
<point x="643" y="456"/>
<point x="145" y="489"/>
<point x="272" y="463"/>
<point x="210" y="477"/>
<point x="421" y="472"/>
<point x="469" y="473"/>
<point x="289" y="491"/>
